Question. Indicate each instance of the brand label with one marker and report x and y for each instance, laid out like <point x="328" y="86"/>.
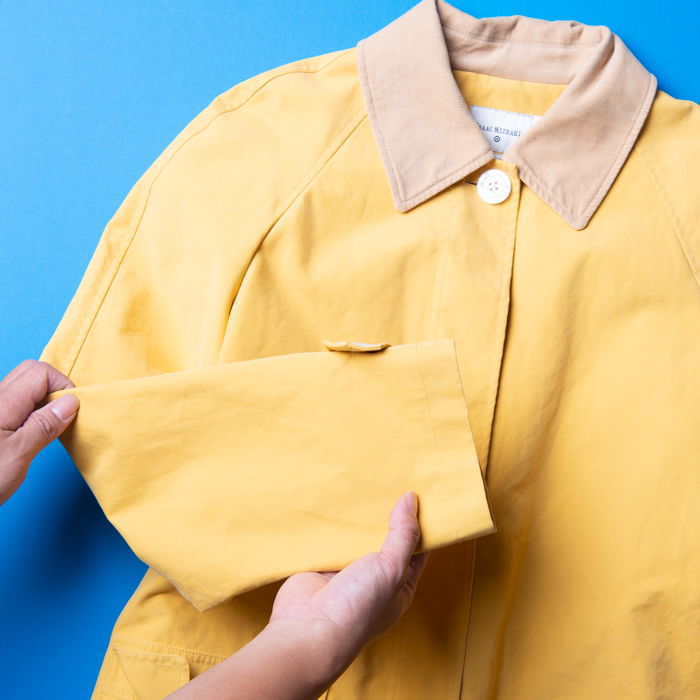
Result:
<point x="501" y="127"/>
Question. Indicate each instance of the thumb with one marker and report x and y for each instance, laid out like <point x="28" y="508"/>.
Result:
<point x="415" y="569"/>
<point x="404" y="534"/>
<point x="44" y="425"/>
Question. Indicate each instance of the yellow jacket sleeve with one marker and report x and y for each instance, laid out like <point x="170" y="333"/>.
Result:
<point x="227" y="475"/>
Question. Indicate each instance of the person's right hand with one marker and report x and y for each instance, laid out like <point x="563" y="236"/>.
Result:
<point x="24" y="428"/>
<point x="363" y="600"/>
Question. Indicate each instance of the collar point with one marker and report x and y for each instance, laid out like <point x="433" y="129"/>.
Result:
<point x="578" y="222"/>
<point x="405" y="204"/>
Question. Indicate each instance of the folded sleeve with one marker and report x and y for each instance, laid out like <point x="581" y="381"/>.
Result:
<point x="228" y="477"/>
<point x="225" y="476"/>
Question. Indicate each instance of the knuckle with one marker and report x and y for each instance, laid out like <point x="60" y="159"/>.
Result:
<point x="413" y="530"/>
<point x="43" y="424"/>
<point x="411" y="534"/>
<point x="391" y="573"/>
<point x="41" y="367"/>
<point x="35" y="371"/>
<point x="21" y="368"/>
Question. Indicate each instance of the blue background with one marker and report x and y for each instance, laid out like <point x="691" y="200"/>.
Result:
<point x="91" y="94"/>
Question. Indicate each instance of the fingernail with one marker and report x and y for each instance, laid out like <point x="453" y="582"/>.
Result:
<point x="65" y="406"/>
<point x="412" y="501"/>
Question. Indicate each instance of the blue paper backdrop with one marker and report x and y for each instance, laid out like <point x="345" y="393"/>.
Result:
<point x="92" y="92"/>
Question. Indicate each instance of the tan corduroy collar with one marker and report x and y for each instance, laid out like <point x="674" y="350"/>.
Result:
<point x="428" y="138"/>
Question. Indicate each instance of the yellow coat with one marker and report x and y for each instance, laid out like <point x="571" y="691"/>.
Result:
<point x="461" y="257"/>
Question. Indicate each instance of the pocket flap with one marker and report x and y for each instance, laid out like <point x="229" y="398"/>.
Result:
<point x="354" y="346"/>
<point x="152" y="675"/>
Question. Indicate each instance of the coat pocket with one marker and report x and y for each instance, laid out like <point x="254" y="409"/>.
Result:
<point x="152" y="675"/>
<point x="137" y="671"/>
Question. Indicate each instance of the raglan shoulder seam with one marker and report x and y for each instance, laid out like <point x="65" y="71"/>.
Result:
<point x="684" y="236"/>
<point x="106" y="262"/>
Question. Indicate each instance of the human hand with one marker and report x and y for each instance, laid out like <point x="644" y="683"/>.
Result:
<point x="363" y="600"/>
<point x="25" y="429"/>
<point x="321" y="620"/>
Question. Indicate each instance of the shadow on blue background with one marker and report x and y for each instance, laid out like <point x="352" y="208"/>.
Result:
<point x="92" y="94"/>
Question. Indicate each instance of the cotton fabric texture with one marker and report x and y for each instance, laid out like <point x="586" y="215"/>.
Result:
<point x="304" y="307"/>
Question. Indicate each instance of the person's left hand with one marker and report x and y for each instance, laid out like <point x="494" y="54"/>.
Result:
<point x="351" y="607"/>
<point x="24" y="428"/>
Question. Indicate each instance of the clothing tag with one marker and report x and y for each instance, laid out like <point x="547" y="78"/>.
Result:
<point x="501" y="127"/>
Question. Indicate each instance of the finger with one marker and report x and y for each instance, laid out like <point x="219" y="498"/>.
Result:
<point x="21" y="393"/>
<point x="404" y="533"/>
<point x="42" y="426"/>
<point x="415" y="569"/>
<point x="328" y="574"/>
<point x="21" y="367"/>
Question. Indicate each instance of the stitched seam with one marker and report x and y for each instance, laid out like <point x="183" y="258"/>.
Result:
<point x="177" y="662"/>
<point x="393" y="169"/>
<point x="397" y="658"/>
<point x="504" y="309"/>
<point x="275" y="75"/>
<point x="496" y="669"/>
<point x="116" y="263"/>
<point x="462" y="168"/>
<point x="151" y="661"/>
<point x="372" y="110"/>
<point x="511" y="111"/>
<point x="615" y="166"/>
<point x="625" y="147"/>
<point x="440" y="275"/>
<point x="675" y="220"/>
<point x="113" y="692"/>
<point x="518" y="42"/>
<point x="544" y="189"/>
<point x="161" y="647"/>
<point x="469" y="618"/>
<point x="432" y="424"/>
<point x="314" y="171"/>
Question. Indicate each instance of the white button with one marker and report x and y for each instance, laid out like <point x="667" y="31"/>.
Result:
<point x="493" y="186"/>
